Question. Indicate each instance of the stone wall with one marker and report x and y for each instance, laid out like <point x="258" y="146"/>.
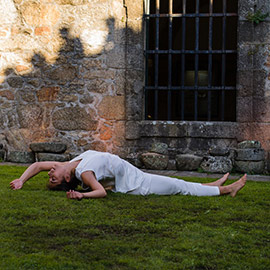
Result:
<point x="72" y="71"/>
<point x="64" y="70"/>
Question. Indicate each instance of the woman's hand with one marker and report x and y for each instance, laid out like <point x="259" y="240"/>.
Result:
<point x="74" y="195"/>
<point x="16" y="184"/>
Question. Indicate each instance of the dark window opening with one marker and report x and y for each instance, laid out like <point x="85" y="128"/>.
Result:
<point x="191" y="60"/>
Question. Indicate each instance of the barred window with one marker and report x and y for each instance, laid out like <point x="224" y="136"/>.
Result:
<point x="191" y="60"/>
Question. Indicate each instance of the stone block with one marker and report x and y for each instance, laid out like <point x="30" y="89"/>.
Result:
<point x="245" y="30"/>
<point x="15" y="82"/>
<point x="73" y="118"/>
<point x="245" y="111"/>
<point x="154" y="161"/>
<point x="62" y="74"/>
<point x="159" y="148"/>
<point x="249" y="154"/>
<point x="134" y="9"/>
<point x="20" y="157"/>
<point x="7" y="94"/>
<point x="219" y="151"/>
<point x="187" y="162"/>
<point x="48" y="93"/>
<point x="261" y="32"/>
<point x="30" y="115"/>
<point x="245" y="56"/>
<point x="245" y="7"/>
<point x="49" y="147"/>
<point x="163" y="129"/>
<point x="52" y="157"/>
<point x="259" y="82"/>
<point x="27" y="95"/>
<point x="253" y="167"/>
<point x="260" y="54"/>
<point x="217" y="164"/>
<point x="43" y="30"/>
<point x="212" y="130"/>
<point x="112" y="108"/>
<point x="249" y="144"/>
<point x="245" y="83"/>
<point x="261" y="109"/>
<point x="132" y="130"/>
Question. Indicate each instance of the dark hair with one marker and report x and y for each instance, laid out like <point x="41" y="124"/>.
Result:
<point x="65" y="186"/>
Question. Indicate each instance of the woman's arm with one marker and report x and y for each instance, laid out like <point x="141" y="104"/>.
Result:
<point x="31" y="171"/>
<point x="89" y="179"/>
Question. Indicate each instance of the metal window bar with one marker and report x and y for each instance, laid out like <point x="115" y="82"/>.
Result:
<point x="197" y="23"/>
<point x="223" y="60"/>
<point x="183" y="52"/>
<point x="147" y="11"/>
<point x="156" y="60"/>
<point x="183" y="60"/>
<point x="210" y="59"/>
<point x="170" y="61"/>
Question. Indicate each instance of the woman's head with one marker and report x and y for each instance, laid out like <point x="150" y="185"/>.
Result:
<point x="61" y="178"/>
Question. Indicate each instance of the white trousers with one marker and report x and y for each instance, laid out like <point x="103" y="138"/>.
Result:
<point x="164" y="185"/>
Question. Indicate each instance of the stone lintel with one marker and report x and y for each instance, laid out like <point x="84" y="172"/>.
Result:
<point x="226" y="130"/>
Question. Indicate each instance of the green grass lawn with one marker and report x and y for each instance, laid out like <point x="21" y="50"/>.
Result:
<point x="41" y="229"/>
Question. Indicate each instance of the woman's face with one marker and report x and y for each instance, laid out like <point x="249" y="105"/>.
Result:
<point x="56" y="175"/>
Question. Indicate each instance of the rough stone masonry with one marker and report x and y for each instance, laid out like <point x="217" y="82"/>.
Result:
<point x="72" y="71"/>
<point x="64" y="70"/>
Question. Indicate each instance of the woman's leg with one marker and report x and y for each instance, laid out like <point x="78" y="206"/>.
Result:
<point x="164" y="185"/>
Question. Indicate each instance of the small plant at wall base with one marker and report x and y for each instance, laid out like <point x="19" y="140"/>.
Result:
<point x="257" y="17"/>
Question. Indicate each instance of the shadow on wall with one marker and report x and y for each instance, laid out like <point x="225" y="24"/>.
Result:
<point x="79" y="99"/>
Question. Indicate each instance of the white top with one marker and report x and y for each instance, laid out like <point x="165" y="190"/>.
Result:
<point x="106" y="165"/>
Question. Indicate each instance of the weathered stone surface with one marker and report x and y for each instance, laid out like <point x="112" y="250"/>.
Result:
<point x="112" y="108"/>
<point x="15" y="82"/>
<point x="48" y="93"/>
<point x="249" y="144"/>
<point x="187" y="162"/>
<point x="52" y="157"/>
<point x="49" y="147"/>
<point x="245" y="113"/>
<point x="154" y="161"/>
<point x="219" y="151"/>
<point x="256" y="167"/>
<point x="20" y="157"/>
<point x="63" y="73"/>
<point x="7" y="94"/>
<point x="160" y="148"/>
<point x="27" y="95"/>
<point x="216" y="164"/>
<point x="133" y="130"/>
<point x="87" y="99"/>
<point x="163" y="129"/>
<point x="245" y="83"/>
<point x="1" y="120"/>
<point x="73" y="118"/>
<point x="30" y="115"/>
<point x="2" y="154"/>
<point x="212" y="130"/>
<point x="254" y="154"/>
<point x="171" y="165"/>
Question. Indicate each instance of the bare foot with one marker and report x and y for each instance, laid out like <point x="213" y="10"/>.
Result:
<point x="236" y="186"/>
<point x="219" y="182"/>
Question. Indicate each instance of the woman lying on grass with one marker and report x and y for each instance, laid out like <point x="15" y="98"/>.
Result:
<point x="92" y="166"/>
